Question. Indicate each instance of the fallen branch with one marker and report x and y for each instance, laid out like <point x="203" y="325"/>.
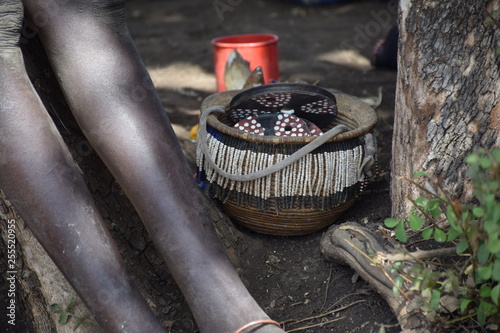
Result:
<point x="421" y="255"/>
<point x="360" y="248"/>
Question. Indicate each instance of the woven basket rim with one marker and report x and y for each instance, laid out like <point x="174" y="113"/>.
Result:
<point x="358" y="116"/>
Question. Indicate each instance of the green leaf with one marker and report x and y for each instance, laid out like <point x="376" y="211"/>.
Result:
<point x="435" y="297"/>
<point x="490" y="198"/>
<point x="415" y="222"/>
<point x="427" y="233"/>
<point x="78" y="322"/>
<point x="491" y="226"/>
<point x="493" y="186"/>
<point x="435" y="211"/>
<point x="478" y="211"/>
<point x="54" y="308"/>
<point x="401" y="232"/>
<point x="452" y="235"/>
<point x="484" y="272"/>
<point x="495" y="272"/>
<point x="494" y="243"/>
<point x="398" y="283"/>
<point x="63" y="318"/>
<point x="495" y="293"/>
<point x="483" y="254"/>
<point x="440" y="236"/>
<point x="70" y="304"/>
<point x="496" y="154"/>
<point x="433" y="204"/>
<point x="494" y="212"/>
<point x="485" y="291"/>
<point x="420" y="173"/>
<point x="391" y="223"/>
<point x="488" y="21"/>
<point x="472" y="159"/>
<point x="462" y="246"/>
<point x="485" y="310"/>
<point x="464" y="304"/>
<point x="485" y="163"/>
<point x="421" y="201"/>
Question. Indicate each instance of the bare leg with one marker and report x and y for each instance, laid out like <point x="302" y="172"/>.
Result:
<point x="110" y="93"/>
<point x="42" y="181"/>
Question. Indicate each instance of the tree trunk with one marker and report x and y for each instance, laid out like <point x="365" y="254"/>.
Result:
<point x="447" y="98"/>
<point x="447" y="106"/>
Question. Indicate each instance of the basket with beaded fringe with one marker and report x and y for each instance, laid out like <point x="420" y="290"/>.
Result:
<point x="297" y="198"/>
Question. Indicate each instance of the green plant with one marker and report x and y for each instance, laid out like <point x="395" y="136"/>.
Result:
<point x="470" y="286"/>
<point x="65" y="313"/>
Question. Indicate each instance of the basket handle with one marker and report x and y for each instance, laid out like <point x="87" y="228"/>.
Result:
<point x="202" y="137"/>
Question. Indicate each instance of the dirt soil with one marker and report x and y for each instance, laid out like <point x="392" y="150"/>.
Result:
<point x="329" y="45"/>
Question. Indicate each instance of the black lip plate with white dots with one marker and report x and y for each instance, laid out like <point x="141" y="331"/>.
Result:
<point x="310" y="102"/>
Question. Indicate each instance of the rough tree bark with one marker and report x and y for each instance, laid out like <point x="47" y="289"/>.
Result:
<point x="447" y="97"/>
<point x="447" y="106"/>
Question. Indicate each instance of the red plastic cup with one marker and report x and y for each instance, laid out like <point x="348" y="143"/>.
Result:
<point x="257" y="49"/>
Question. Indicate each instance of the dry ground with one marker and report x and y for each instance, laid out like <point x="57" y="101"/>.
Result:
<point x="319" y="44"/>
<point x="329" y="45"/>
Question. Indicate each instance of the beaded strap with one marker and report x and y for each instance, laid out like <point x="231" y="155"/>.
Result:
<point x="203" y="140"/>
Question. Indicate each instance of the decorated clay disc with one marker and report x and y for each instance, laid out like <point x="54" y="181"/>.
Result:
<point x="277" y="124"/>
<point x="311" y="103"/>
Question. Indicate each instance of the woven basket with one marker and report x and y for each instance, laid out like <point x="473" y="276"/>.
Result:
<point x="303" y="197"/>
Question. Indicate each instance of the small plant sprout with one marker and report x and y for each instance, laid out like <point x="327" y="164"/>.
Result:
<point x="66" y="313"/>
<point x="467" y="286"/>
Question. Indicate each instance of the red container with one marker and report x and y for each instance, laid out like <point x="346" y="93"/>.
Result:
<point x="258" y="49"/>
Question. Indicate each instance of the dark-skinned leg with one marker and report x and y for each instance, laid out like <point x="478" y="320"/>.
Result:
<point x="112" y="98"/>
<point x="42" y="181"/>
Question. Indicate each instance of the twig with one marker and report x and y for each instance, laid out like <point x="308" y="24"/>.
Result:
<point x="395" y="284"/>
<point x="315" y="325"/>
<point x="325" y="313"/>
<point x="373" y="261"/>
<point x="419" y="255"/>
<point x="422" y="188"/>
<point x="340" y="300"/>
<point x="327" y="287"/>
<point x="462" y="318"/>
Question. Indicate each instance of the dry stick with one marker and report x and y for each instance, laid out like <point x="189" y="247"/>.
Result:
<point x="315" y="325"/>
<point x="420" y="254"/>
<point x="327" y="287"/>
<point x="470" y="315"/>
<point x="323" y="315"/>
